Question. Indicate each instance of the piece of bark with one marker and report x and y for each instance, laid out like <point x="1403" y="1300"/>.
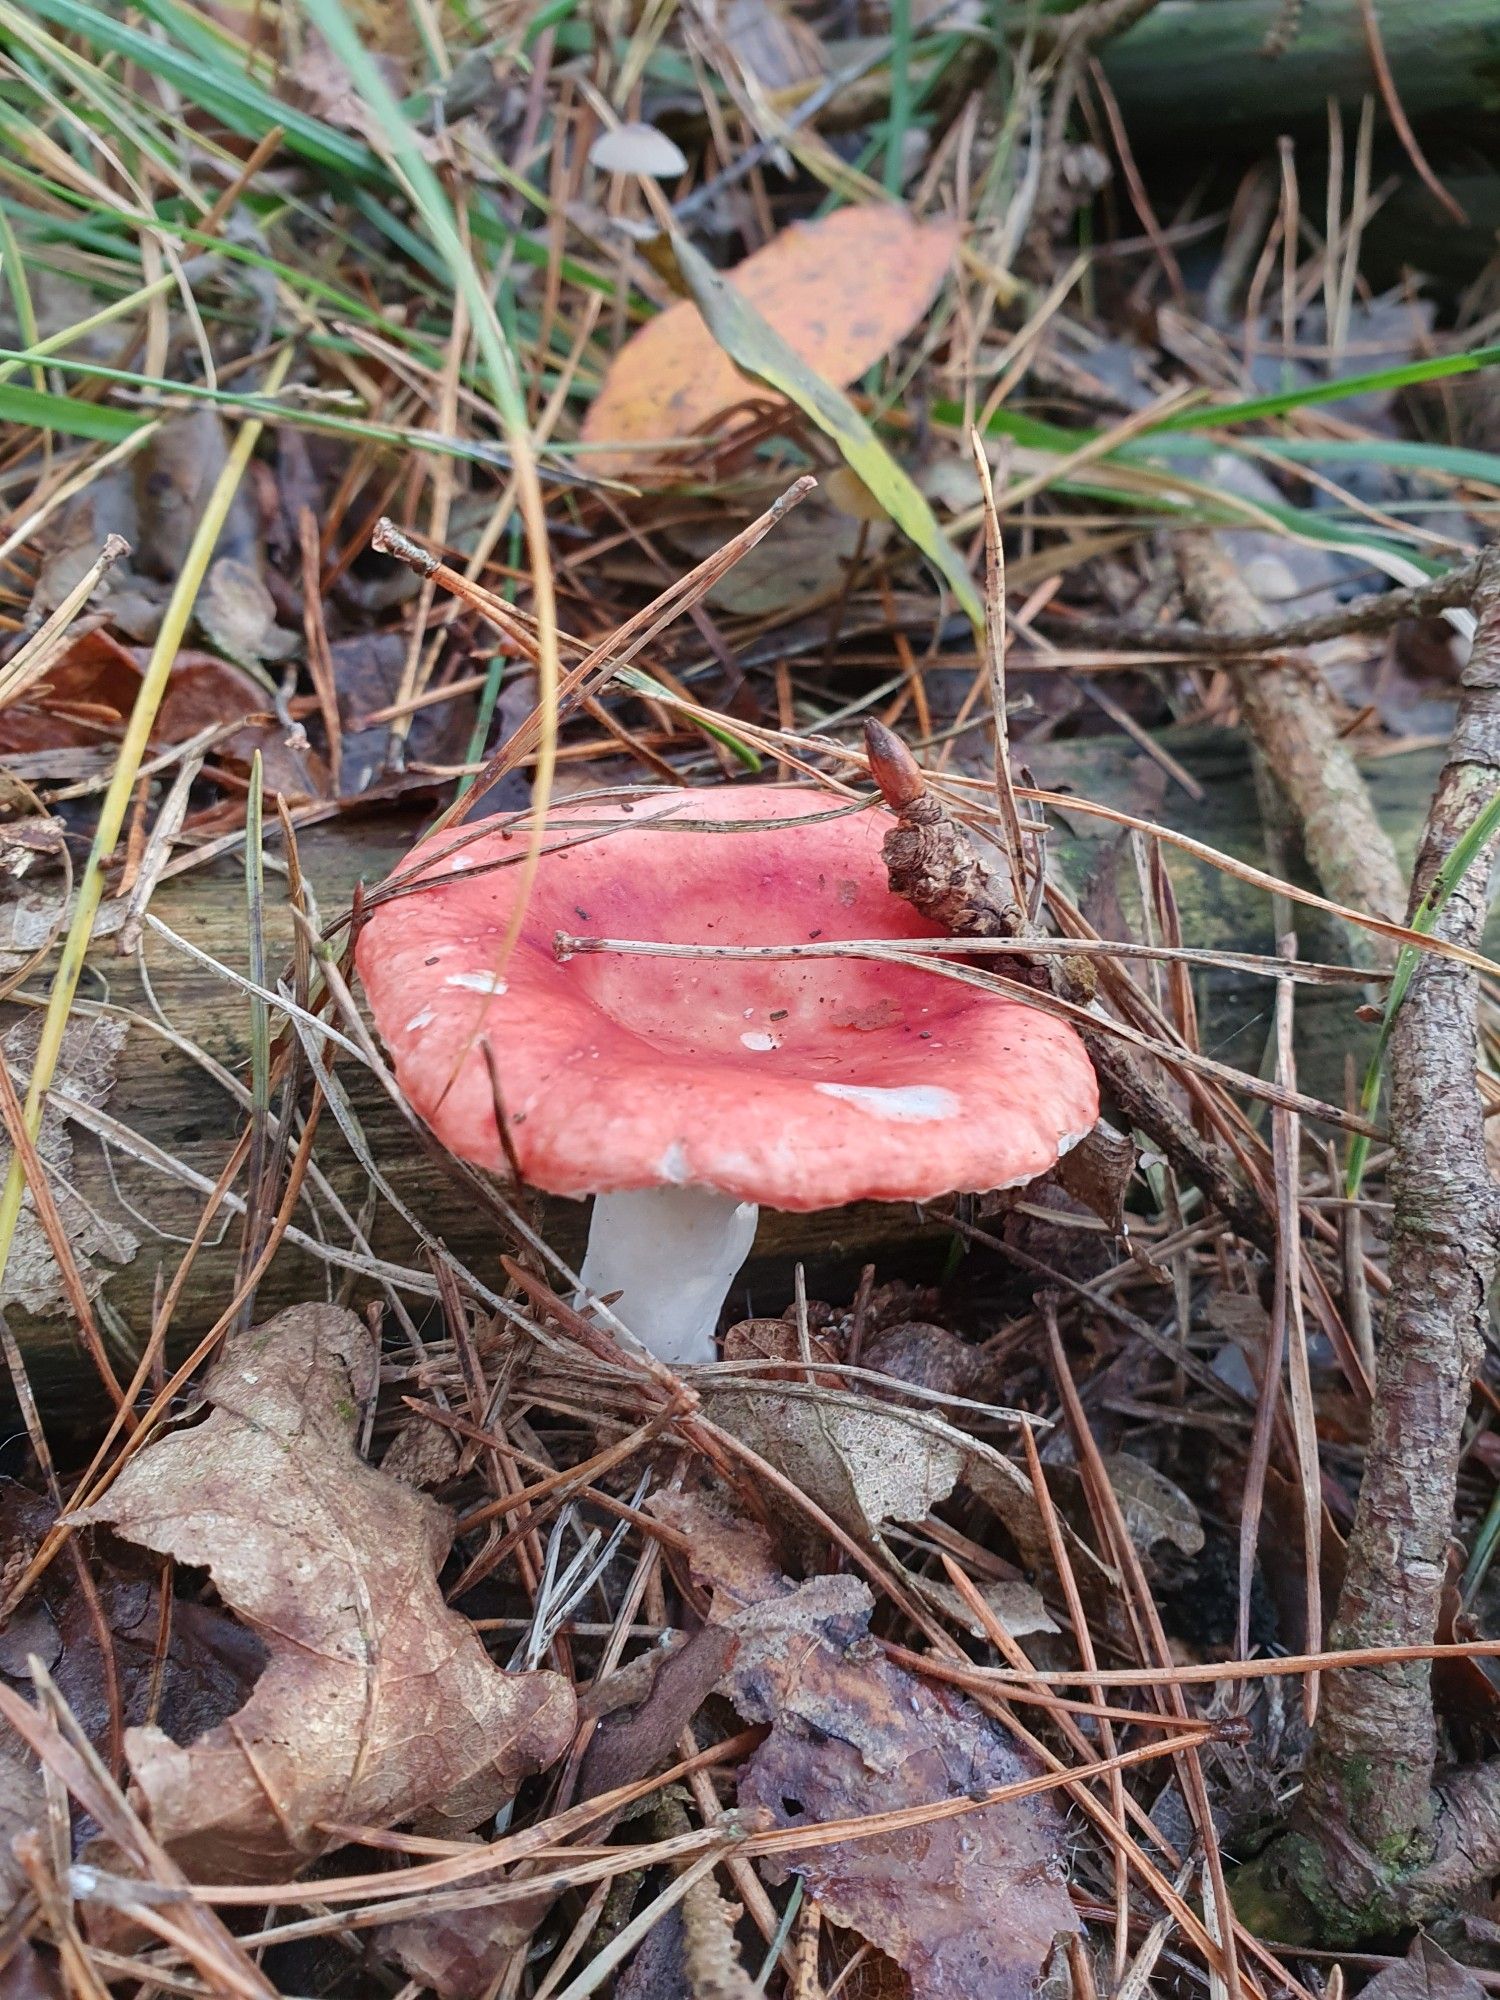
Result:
<point x="1290" y="714"/>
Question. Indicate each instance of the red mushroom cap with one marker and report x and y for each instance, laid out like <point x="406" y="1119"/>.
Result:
<point x="801" y="1084"/>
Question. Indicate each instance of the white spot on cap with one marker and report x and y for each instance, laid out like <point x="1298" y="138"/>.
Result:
<point x="673" y="1165"/>
<point x="476" y="982"/>
<point x="758" y="1040"/>
<point x="423" y="1020"/>
<point x="902" y="1104"/>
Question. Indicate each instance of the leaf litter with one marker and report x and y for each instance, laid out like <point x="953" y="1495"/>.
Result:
<point x="965" y="1906"/>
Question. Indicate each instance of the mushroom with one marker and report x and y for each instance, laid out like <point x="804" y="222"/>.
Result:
<point x="683" y="1092"/>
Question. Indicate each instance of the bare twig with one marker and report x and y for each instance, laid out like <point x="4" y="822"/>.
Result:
<point x="1290" y="714"/>
<point x="1377" y="612"/>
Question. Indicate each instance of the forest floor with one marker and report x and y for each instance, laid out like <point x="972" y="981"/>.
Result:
<point x="1088" y="478"/>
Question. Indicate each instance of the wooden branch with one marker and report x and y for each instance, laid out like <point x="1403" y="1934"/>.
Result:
<point x="1376" y="612"/>
<point x="1290" y="713"/>
<point x="1373" y="1843"/>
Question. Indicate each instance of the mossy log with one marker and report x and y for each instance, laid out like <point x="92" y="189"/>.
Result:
<point x="1199" y="66"/>
<point x="165" y="1107"/>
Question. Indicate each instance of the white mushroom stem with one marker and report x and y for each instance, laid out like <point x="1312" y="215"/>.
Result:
<point x="672" y="1254"/>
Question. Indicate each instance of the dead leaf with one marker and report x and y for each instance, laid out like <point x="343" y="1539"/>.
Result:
<point x="209" y="1666"/>
<point x="1008" y="1493"/>
<point x="377" y="1703"/>
<point x="238" y="613"/>
<point x="86" y="692"/>
<point x="929" y="1357"/>
<point x="459" y="1952"/>
<point x="805" y="563"/>
<point x="1154" y="1509"/>
<point x="637" y="149"/>
<point x="863" y="1462"/>
<point x="85" y="1072"/>
<point x="773" y="45"/>
<point x="1426" y="1973"/>
<point x="320" y="81"/>
<point x="780" y="1341"/>
<point x="367" y="673"/>
<point x="841" y="292"/>
<point x="205" y="691"/>
<point x="174" y="475"/>
<point x="969" y="1907"/>
<point x="1097" y="1172"/>
<point x="1018" y="1606"/>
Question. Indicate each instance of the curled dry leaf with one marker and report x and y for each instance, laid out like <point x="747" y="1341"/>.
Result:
<point x="205" y="692"/>
<point x="238" y="613"/>
<point x="640" y="1712"/>
<point x="1017" y="1604"/>
<point x="840" y="292"/>
<point x="377" y="1703"/>
<point x="968" y="1906"/>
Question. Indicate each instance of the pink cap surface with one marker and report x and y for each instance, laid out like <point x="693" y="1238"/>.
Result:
<point x="800" y="1084"/>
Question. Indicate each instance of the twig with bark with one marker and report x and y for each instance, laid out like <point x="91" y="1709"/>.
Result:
<point x="1289" y="712"/>
<point x="1377" y="612"/>
<point x="1380" y="1840"/>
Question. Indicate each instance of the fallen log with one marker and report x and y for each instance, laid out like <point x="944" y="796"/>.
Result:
<point x="1199" y="66"/>
<point x="152" y="1125"/>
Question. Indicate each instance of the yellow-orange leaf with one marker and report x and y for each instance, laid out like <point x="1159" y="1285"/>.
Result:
<point x="841" y="292"/>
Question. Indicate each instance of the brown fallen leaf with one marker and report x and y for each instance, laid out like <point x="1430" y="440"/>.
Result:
<point x="841" y="292"/>
<point x="209" y="1665"/>
<point x="237" y="612"/>
<point x="807" y="562"/>
<point x="641" y="1711"/>
<point x="1426" y="1973"/>
<point x="174" y="476"/>
<point x="377" y="1704"/>
<point x="639" y="1722"/>
<point x="460" y="1952"/>
<point x="205" y="691"/>
<point x="970" y="1907"/>
<point x="1154" y="1509"/>
<point x="87" y="691"/>
<point x="863" y="1462"/>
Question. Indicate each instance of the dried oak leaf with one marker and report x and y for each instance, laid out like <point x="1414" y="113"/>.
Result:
<point x="840" y="292"/>
<point x="377" y="1704"/>
<point x="969" y="1906"/>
